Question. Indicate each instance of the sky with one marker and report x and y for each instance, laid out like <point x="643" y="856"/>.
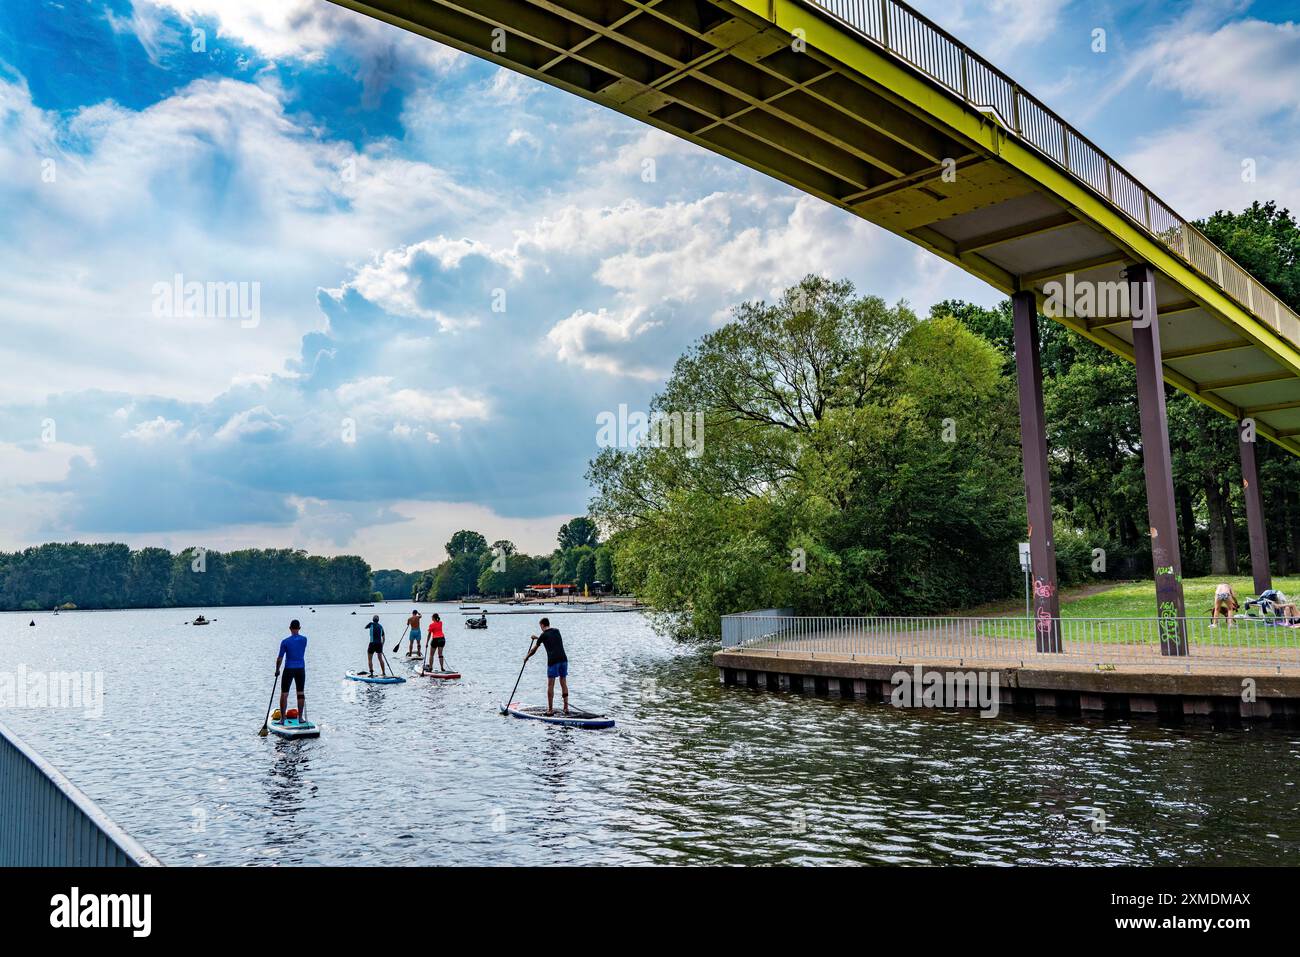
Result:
<point x="442" y="274"/>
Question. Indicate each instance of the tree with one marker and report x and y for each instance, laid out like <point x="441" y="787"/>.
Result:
<point x="577" y="532"/>
<point x="151" y="577"/>
<point x="857" y="459"/>
<point x="605" y="567"/>
<point x="466" y="543"/>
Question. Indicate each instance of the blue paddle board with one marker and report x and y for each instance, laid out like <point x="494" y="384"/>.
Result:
<point x="293" y="728"/>
<point x="374" y="679"/>
<point x="574" y="719"/>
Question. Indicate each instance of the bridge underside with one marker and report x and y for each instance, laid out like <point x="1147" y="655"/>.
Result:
<point x="842" y="119"/>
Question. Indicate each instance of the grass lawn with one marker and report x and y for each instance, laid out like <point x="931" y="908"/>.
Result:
<point x="1138" y="599"/>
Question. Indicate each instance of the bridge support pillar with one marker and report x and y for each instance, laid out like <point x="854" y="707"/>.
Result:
<point x="1038" y="490"/>
<point x="1157" y="462"/>
<point x="1259" y="568"/>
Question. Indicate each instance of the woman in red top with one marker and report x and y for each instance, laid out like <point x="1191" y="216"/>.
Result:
<point x="436" y="640"/>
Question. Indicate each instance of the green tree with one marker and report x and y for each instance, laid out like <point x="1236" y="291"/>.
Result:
<point x="856" y="459"/>
<point x="577" y="532"/>
<point x="466" y="543"/>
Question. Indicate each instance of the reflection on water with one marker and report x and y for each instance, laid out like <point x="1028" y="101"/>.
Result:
<point x="428" y="772"/>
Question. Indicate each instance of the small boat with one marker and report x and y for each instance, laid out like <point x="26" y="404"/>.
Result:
<point x="293" y="728"/>
<point x="367" y="605"/>
<point x="374" y="679"/>
<point x="576" y="718"/>
<point x="201" y="621"/>
<point x="476" y="622"/>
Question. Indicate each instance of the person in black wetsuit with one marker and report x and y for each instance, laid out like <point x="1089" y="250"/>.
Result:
<point x="557" y="663"/>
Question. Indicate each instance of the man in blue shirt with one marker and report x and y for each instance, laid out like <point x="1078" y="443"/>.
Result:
<point x="293" y="651"/>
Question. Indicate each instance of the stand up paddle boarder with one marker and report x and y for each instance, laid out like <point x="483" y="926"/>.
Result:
<point x="557" y="663"/>
<point x="376" y="646"/>
<point x="437" y="641"/>
<point x="413" y="623"/>
<point x="293" y="651"/>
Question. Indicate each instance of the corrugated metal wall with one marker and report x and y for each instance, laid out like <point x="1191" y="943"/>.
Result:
<point x="45" y="821"/>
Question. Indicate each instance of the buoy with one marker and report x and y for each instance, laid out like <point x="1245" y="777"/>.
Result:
<point x="31" y="624"/>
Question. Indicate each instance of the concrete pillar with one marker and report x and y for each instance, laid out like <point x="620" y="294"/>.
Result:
<point x="1038" y="491"/>
<point x="1254" y="508"/>
<point x="1157" y="462"/>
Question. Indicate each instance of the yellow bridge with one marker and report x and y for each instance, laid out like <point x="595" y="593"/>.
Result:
<point x="872" y="107"/>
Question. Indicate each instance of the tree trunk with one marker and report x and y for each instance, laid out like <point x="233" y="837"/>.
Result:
<point x="1186" y="518"/>
<point x="1218" y="539"/>
<point x="1230" y="528"/>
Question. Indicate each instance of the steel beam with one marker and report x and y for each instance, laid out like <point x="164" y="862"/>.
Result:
<point x="1157" y="463"/>
<point x="1250" y="490"/>
<point x="1038" y="490"/>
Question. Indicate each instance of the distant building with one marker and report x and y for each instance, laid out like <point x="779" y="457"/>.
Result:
<point x="549" y="591"/>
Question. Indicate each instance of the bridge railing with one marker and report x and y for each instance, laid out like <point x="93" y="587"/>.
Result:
<point x="46" y="821"/>
<point x="1251" y="641"/>
<point x="947" y="61"/>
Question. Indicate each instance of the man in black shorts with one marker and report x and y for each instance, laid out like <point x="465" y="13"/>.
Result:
<point x="557" y="663"/>
<point x="376" y="646"/>
<point x="293" y="651"/>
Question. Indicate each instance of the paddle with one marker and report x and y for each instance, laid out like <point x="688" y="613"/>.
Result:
<point x="263" y="733"/>
<point x="521" y="675"/>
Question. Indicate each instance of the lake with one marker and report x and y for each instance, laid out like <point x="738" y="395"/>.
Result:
<point x="429" y="772"/>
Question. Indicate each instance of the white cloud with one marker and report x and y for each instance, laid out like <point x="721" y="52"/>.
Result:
<point x="518" y="136"/>
<point x="374" y="398"/>
<point x="153" y="429"/>
<point x="1242" y="117"/>
<point x="294" y="29"/>
<point x="596" y="341"/>
<point x="39" y="462"/>
<point x="256" y="424"/>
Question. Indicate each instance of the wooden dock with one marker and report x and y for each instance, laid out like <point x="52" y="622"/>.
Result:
<point x="1231" y="690"/>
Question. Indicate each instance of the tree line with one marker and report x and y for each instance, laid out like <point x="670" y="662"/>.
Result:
<point x="858" y="459"/>
<point x="116" y="576"/>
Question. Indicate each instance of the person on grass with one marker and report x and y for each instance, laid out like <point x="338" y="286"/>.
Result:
<point x="1225" y="603"/>
<point x="557" y="663"/>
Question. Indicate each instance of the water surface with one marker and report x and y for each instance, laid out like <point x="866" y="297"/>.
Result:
<point x="429" y="773"/>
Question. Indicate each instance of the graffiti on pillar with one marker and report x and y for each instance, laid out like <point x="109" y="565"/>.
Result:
<point x="1043" y="591"/>
<point x="1169" y="623"/>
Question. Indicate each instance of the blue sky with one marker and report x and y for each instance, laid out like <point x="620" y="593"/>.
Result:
<point x="458" y="268"/>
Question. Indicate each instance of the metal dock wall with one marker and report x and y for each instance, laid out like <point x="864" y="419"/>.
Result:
<point x="46" y="821"/>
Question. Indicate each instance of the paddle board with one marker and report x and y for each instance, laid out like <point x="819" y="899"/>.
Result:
<point x="574" y="719"/>
<point x="374" y="679"/>
<point x="439" y="674"/>
<point x="293" y="728"/>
